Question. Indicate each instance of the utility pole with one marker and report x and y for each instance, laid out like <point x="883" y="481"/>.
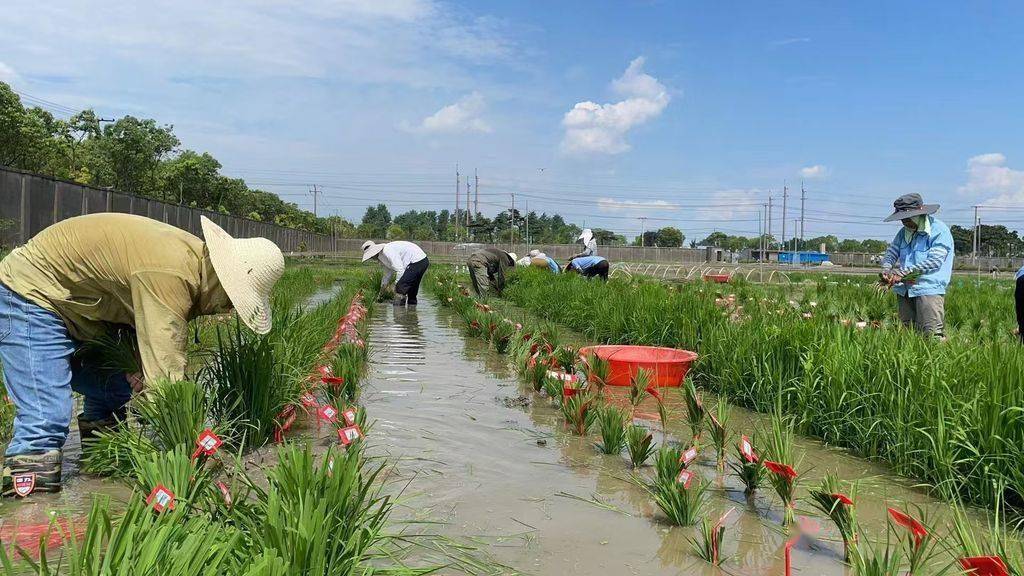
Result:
<point x="769" y="217"/>
<point x="760" y="242"/>
<point x="457" y="193"/>
<point x="512" y="223"/>
<point x="467" y="204"/>
<point x="974" y="246"/>
<point x="476" y="194"/>
<point x="803" y="197"/>
<point x="785" y="194"/>
<point x="315" y="192"/>
<point x="643" y="229"/>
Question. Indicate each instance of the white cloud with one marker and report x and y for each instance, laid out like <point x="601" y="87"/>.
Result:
<point x="462" y="116"/>
<point x="602" y="128"/>
<point x="812" y="172"/>
<point x="992" y="181"/>
<point x="613" y="205"/>
<point x="7" y="74"/>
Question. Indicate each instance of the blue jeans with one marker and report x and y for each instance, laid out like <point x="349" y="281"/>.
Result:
<point x="40" y="372"/>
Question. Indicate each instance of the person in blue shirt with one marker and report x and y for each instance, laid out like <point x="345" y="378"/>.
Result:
<point x="918" y="264"/>
<point x="589" y="266"/>
<point x="1018" y="298"/>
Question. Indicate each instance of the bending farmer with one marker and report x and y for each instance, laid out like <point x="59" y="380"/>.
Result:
<point x="542" y="260"/>
<point x="402" y="261"/>
<point x="487" y="268"/>
<point x="589" y="243"/>
<point x="918" y="264"/>
<point x="84" y="276"/>
<point x="589" y="266"/>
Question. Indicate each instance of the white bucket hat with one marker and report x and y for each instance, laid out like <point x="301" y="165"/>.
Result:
<point x="371" y="249"/>
<point x="247" y="268"/>
<point x="586" y="235"/>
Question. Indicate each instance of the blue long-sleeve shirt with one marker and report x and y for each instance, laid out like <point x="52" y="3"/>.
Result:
<point x="929" y="251"/>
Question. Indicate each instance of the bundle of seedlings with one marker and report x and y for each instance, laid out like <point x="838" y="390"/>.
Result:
<point x="612" y="422"/>
<point x="682" y="499"/>
<point x="695" y="411"/>
<point x="668" y="462"/>
<point x="718" y="422"/>
<point x="596" y="370"/>
<point x="502" y="335"/>
<point x="747" y="467"/>
<point x="348" y="364"/>
<point x="915" y="536"/>
<point x="999" y="549"/>
<point x="781" y="464"/>
<point x="639" y="389"/>
<point x="839" y="507"/>
<point x="565" y="358"/>
<point x="580" y="411"/>
<point x="876" y="559"/>
<point x="639" y="444"/>
<point x="115" y="352"/>
<point x="708" y="546"/>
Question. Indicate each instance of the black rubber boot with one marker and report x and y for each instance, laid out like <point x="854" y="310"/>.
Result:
<point x="26" y="474"/>
<point x="88" y="429"/>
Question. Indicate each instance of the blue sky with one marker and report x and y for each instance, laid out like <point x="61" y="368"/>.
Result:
<point x="685" y="113"/>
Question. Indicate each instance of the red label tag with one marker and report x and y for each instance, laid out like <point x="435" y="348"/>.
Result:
<point x="308" y="400"/>
<point x="843" y="498"/>
<point x="747" y="449"/>
<point x="349" y="434"/>
<point x="559" y="375"/>
<point x="916" y="528"/>
<point x="688" y="456"/>
<point x="685" y="478"/>
<point x="207" y="443"/>
<point x="325" y="371"/>
<point x="225" y="493"/>
<point x="161" y="498"/>
<point x="784" y="470"/>
<point x="568" y="391"/>
<point x="350" y="416"/>
<point x="985" y="566"/>
<point x="24" y="484"/>
<point x="335" y="381"/>
<point x="328" y="413"/>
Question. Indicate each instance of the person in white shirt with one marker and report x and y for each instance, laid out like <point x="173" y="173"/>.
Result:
<point x="404" y="262"/>
<point x="589" y="244"/>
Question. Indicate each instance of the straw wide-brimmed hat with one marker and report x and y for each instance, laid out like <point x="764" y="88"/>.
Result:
<point x="909" y="206"/>
<point x="371" y="249"/>
<point x="247" y="268"/>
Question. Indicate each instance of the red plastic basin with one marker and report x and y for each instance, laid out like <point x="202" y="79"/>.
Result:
<point x="669" y="365"/>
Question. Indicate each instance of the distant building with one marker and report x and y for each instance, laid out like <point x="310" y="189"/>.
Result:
<point x="789" y="257"/>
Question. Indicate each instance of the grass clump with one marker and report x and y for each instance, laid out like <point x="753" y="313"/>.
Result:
<point x="667" y="463"/>
<point x="682" y="505"/>
<point x="612" y="423"/>
<point x="718" y="424"/>
<point x="639" y="444"/>
<point x="580" y="412"/>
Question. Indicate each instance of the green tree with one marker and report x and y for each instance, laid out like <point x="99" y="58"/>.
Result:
<point x="375" y="221"/>
<point x="670" y="237"/>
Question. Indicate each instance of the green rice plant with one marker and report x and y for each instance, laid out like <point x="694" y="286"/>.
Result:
<point x="579" y="412"/>
<point x="667" y="463"/>
<point x="695" y="411"/>
<point x="323" y="517"/>
<point x="839" y="507"/>
<point x="174" y="413"/>
<point x="781" y="463"/>
<point x="502" y="335"/>
<point x="869" y="559"/>
<point x="708" y="546"/>
<point x="918" y="540"/>
<point x="114" y="351"/>
<point x="718" y="423"/>
<point x="998" y="540"/>
<point x="566" y="357"/>
<point x="553" y="387"/>
<point x="115" y="452"/>
<point x="536" y="375"/>
<point x="681" y="505"/>
<point x="639" y="444"/>
<point x="175" y="469"/>
<point x="596" y="370"/>
<point x="348" y="363"/>
<point x="247" y="384"/>
<point x="639" y="386"/>
<point x="612" y="422"/>
<point x="749" y="471"/>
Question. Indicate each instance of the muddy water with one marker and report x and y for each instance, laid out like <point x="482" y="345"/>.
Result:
<point x="491" y="459"/>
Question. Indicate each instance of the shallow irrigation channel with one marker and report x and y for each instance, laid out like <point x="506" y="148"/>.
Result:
<point x="490" y="461"/>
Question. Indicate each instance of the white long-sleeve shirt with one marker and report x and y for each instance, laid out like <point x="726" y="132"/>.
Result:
<point x="396" y="257"/>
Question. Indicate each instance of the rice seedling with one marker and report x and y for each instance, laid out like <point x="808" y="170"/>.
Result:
<point x="708" y="546"/>
<point x="695" y="411"/>
<point x="839" y="507"/>
<point x="580" y="412"/>
<point x="174" y="413"/>
<point x="115" y="452"/>
<point x="682" y="501"/>
<point x="612" y="422"/>
<point x="917" y="538"/>
<point x="639" y="444"/>
<point x="870" y="559"/>
<point x="667" y="463"/>
<point x="748" y="468"/>
<point x="502" y="335"/>
<point x="554" y="389"/>
<point x="565" y="357"/>
<point x="781" y="464"/>
<point x="596" y="370"/>
<point x="114" y="351"/>
<point x="996" y="546"/>
<point x="718" y="423"/>
<point x="639" y="388"/>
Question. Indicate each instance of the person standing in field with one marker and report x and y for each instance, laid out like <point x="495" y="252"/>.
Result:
<point x="589" y="266"/>
<point x="487" y="269"/>
<point x="403" y="262"/>
<point x="918" y="264"/>
<point x="589" y="243"/>
<point x="86" y="276"/>
<point x="1018" y="297"/>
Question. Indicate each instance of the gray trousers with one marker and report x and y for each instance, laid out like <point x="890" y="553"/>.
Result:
<point x="927" y="314"/>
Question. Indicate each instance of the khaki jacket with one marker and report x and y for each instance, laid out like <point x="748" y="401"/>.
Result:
<point x="120" y="269"/>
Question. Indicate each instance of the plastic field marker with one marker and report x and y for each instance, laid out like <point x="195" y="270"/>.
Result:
<point x="349" y="434"/>
<point x="284" y="422"/>
<point x="842" y="498"/>
<point x="308" y="400"/>
<point x="689" y="456"/>
<point x="747" y="449"/>
<point x="24" y="484"/>
<point x="328" y="413"/>
<point x="917" y="530"/>
<point x="161" y="498"/>
<point x="568" y="391"/>
<point x="784" y="470"/>
<point x="349" y="416"/>
<point x="225" y="493"/>
<point x="789" y="553"/>
<point x="685" y="477"/>
<point x="325" y="371"/>
<point x="985" y="566"/>
<point x="334" y="381"/>
<point x="559" y="375"/>
<point x="207" y="443"/>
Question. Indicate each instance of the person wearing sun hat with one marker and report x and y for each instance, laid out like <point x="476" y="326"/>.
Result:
<point x="84" y="276"/>
<point x="589" y="243"/>
<point x="403" y="262"/>
<point x="918" y="264"/>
